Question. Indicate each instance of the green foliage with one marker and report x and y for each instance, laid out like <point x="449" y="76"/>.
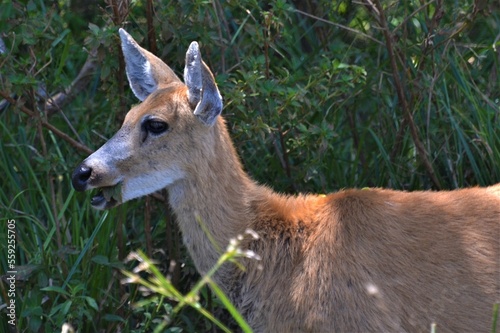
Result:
<point x="158" y="284"/>
<point x="314" y="100"/>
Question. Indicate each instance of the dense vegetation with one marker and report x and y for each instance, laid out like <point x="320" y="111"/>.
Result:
<point x="319" y="96"/>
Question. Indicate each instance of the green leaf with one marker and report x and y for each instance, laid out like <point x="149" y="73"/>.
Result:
<point x="60" y="38"/>
<point x="92" y="303"/>
<point x="113" y="192"/>
<point x="101" y="260"/>
<point x="56" y="289"/>
<point x="113" y="318"/>
<point x="230" y="307"/>
<point x="94" y="28"/>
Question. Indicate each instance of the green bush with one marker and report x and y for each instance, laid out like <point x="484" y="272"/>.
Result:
<point x="317" y="98"/>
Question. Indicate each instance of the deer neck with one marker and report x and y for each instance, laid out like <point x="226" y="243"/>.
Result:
<point x="211" y="204"/>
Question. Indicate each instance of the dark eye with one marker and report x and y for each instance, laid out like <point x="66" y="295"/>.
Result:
<point x="155" y="126"/>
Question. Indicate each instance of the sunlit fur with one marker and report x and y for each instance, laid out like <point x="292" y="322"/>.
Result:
<point x="370" y="260"/>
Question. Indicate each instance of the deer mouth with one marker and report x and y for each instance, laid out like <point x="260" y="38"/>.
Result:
<point x="107" y="197"/>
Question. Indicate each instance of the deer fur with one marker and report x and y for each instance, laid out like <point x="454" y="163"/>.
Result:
<point x="371" y="260"/>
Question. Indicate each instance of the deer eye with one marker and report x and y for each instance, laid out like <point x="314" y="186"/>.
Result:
<point x="155" y="126"/>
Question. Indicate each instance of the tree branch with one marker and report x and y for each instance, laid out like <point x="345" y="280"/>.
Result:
<point x="344" y="27"/>
<point x="151" y="29"/>
<point x="376" y="7"/>
<point x="47" y="125"/>
<point x="58" y="101"/>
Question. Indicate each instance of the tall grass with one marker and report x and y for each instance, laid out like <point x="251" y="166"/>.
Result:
<point x="55" y="248"/>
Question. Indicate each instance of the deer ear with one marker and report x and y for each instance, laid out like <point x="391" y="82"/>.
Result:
<point x="145" y="71"/>
<point x="203" y="94"/>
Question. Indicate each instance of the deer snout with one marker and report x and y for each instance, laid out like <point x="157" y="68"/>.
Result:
<point x="80" y="177"/>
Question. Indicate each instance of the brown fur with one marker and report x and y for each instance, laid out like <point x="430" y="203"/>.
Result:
<point x="370" y="260"/>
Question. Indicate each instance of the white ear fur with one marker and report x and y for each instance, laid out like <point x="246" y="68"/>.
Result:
<point x="138" y="67"/>
<point x="203" y="93"/>
<point x="192" y="74"/>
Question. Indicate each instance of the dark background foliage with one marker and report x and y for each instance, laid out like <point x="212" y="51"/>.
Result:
<point x="319" y="96"/>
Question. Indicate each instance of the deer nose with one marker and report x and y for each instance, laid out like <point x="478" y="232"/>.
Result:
<point x="80" y="177"/>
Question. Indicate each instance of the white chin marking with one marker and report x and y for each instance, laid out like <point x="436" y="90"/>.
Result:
<point x="149" y="183"/>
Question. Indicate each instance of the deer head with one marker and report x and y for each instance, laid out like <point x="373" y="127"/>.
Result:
<point x="160" y="138"/>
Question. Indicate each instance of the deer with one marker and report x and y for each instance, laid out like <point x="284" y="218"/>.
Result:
<point x="355" y="260"/>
